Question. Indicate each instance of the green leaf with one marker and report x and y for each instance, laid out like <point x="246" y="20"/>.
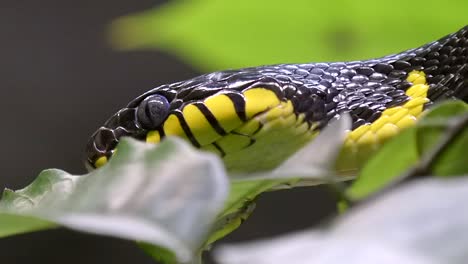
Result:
<point x="304" y="168"/>
<point x="445" y="109"/>
<point x="227" y="34"/>
<point x="146" y="193"/>
<point x="159" y="254"/>
<point x="419" y="223"/>
<point x="395" y="157"/>
<point x="239" y="205"/>
<point x="313" y="164"/>
<point x="150" y="194"/>
<point x="452" y="161"/>
<point x="13" y="224"/>
<point x="404" y="151"/>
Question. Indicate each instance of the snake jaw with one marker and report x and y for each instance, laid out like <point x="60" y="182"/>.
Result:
<point x="192" y="119"/>
<point x="103" y="142"/>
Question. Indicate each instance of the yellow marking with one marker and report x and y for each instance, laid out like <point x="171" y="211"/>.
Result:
<point x="418" y="90"/>
<point x="211" y="148"/>
<point x="201" y="129"/>
<point x="417" y="111"/>
<point x="101" y="161"/>
<point x="277" y="132"/>
<point x="284" y="109"/>
<point x="153" y="137"/>
<point x="416" y="77"/>
<point x="418" y="99"/>
<point x="416" y="102"/>
<point x="391" y="111"/>
<point x="249" y="128"/>
<point x="222" y="107"/>
<point x="358" y="132"/>
<point x="300" y="118"/>
<point x="387" y="131"/>
<point x="365" y="139"/>
<point x="369" y="138"/>
<point x="233" y="142"/>
<point x="379" y="123"/>
<point x="302" y="128"/>
<point x="290" y="120"/>
<point x="280" y="116"/>
<point x="420" y="80"/>
<point x="277" y="139"/>
<point x="258" y="100"/>
<point x="172" y="127"/>
<point x="406" y="121"/>
<point x="396" y="116"/>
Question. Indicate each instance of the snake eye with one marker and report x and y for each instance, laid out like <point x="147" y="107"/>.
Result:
<point x="152" y="111"/>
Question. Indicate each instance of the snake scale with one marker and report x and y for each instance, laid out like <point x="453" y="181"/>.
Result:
<point x="254" y="118"/>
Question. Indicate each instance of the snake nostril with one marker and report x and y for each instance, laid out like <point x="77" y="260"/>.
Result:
<point x="152" y="111"/>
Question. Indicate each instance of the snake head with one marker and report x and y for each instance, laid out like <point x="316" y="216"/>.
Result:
<point x="221" y="112"/>
<point x="144" y="114"/>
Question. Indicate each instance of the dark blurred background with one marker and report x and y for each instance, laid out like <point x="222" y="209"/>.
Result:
<point x="59" y="80"/>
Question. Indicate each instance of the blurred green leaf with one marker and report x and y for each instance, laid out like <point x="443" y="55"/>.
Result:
<point x="393" y="159"/>
<point x="419" y="223"/>
<point x="239" y="205"/>
<point x="444" y="110"/>
<point x="159" y="254"/>
<point x="453" y="160"/>
<point x="304" y="168"/>
<point x="13" y="224"/>
<point x="226" y="34"/>
<point x="145" y="193"/>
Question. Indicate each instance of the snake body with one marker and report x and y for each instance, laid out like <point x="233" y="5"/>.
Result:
<point x="256" y="117"/>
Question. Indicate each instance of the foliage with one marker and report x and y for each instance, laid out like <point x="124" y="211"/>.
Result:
<point x="408" y="149"/>
<point x="419" y="223"/>
<point x="148" y="194"/>
<point x="215" y="35"/>
<point x="176" y="208"/>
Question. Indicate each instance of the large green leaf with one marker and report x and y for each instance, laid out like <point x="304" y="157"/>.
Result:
<point x="393" y="159"/>
<point x="169" y="196"/>
<point x="215" y="34"/>
<point x="420" y="223"/>
<point x="435" y="127"/>
<point x="315" y="163"/>
<point x="13" y="224"/>
<point x="312" y="165"/>
<point x="166" y="195"/>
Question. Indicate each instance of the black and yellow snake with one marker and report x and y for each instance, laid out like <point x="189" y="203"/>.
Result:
<point x="254" y="118"/>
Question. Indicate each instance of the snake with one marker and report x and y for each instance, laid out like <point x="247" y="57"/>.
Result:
<point x="255" y="118"/>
